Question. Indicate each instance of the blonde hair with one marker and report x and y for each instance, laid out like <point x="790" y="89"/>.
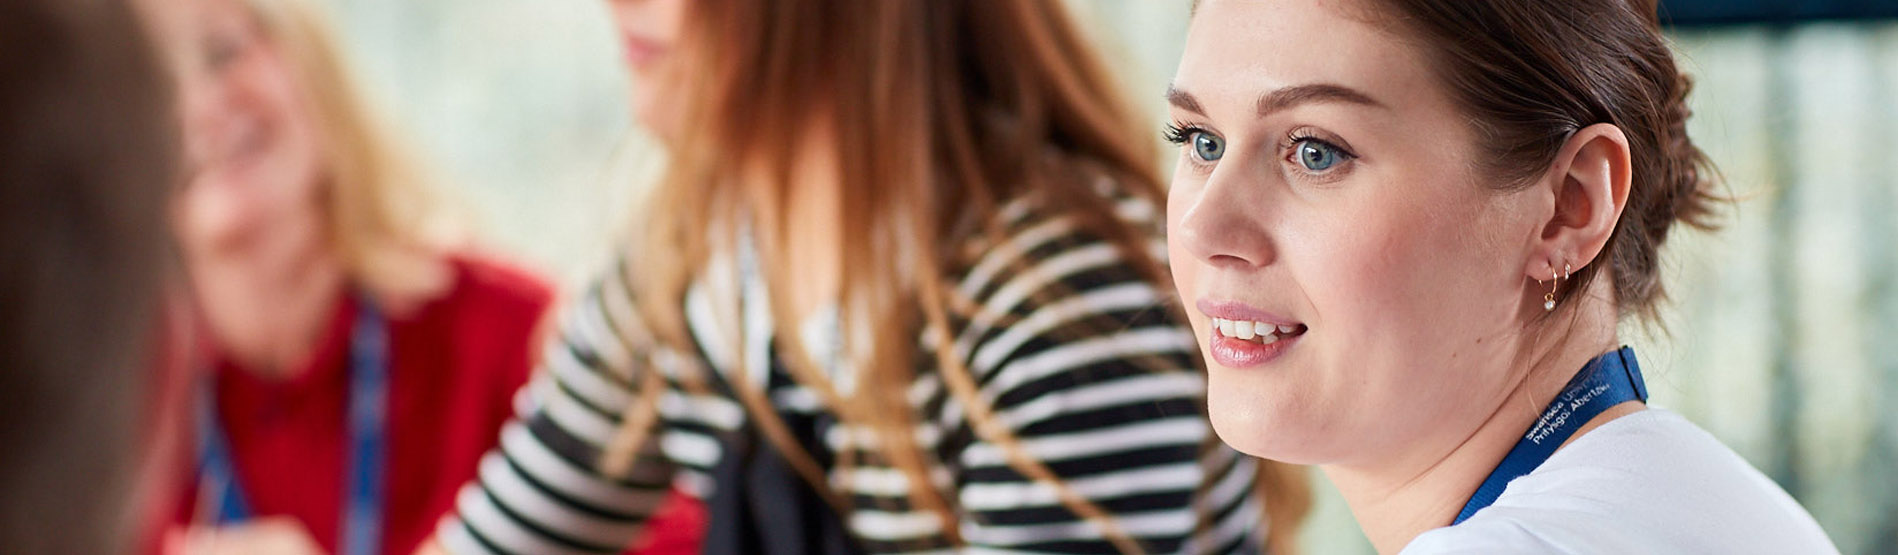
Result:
<point x="384" y="221"/>
<point x="934" y="131"/>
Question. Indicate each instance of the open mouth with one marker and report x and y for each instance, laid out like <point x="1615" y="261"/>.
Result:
<point x="1262" y="333"/>
<point x="236" y="144"/>
<point x="249" y="145"/>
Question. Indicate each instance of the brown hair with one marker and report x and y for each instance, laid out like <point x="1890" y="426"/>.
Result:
<point x="942" y="111"/>
<point x="1532" y="73"/>
<point x="87" y="154"/>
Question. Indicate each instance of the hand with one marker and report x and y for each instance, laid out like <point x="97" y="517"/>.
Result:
<point x="264" y="536"/>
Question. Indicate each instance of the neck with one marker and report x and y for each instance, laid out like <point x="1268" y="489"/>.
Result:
<point x="805" y="225"/>
<point x="1424" y="487"/>
<point x="269" y="317"/>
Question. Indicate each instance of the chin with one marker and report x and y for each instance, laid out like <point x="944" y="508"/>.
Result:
<point x="1260" y="419"/>
<point x="1239" y="414"/>
<point x="650" y="113"/>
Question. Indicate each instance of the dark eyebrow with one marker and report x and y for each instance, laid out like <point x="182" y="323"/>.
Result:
<point x="1322" y="92"/>
<point x="1283" y="98"/>
<point x="1183" y="100"/>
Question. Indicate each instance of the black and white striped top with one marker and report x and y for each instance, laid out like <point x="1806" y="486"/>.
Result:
<point x="1073" y="375"/>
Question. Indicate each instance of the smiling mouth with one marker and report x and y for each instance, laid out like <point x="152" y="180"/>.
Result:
<point x="1262" y="333"/>
<point x="249" y="144"/>
<point x="242" y="144"/>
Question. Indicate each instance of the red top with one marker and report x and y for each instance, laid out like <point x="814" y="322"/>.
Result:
<point x="454" y="366"/>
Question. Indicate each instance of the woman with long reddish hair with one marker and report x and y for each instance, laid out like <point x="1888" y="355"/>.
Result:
<point x="898" y="291"/>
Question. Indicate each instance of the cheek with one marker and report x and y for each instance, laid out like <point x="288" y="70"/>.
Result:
<point x="668" y="19"/>
<point x="649" y="108"/>
<point x="1407" y="272"/>
<point x="1181" y="261"/>
<point x="1351" y="268"/>
<point x="1184" y="266"/>
<point x="294" y="148"/>
<point x="1389" y="289"/>
<point x="659" y="99"/>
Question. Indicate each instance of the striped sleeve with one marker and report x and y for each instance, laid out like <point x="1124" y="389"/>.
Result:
<point x="541" y="490"/>
<point x="1076" y="354"/>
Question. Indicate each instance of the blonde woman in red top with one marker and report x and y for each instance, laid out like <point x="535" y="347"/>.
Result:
<point x="359" y="362"/>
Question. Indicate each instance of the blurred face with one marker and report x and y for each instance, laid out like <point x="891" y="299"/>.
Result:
<point x="1355" y="284"/>
<point x="249" y="136"/>
<point x="649" y="32"/>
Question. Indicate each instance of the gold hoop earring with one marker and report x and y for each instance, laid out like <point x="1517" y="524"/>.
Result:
<point x="1555" y="281"/>
<point x="1548" y="299"/>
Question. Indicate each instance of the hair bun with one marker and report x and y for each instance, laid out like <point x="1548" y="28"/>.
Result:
<point x="1530" y="73"/>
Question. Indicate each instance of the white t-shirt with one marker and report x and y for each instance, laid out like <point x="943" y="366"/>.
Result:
<point x="1648" y="482"/>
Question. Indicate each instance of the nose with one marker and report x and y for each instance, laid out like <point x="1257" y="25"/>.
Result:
<point x="1226" y="223"/>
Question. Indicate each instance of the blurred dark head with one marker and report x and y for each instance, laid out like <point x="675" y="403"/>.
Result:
<point x="86" y="159"/>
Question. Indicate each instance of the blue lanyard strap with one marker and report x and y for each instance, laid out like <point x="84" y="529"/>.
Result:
<point x="215" y="470"/>
<point x="367" y="448"/>
<point x="368" y="441"/>
<point x="1608" y="380"/>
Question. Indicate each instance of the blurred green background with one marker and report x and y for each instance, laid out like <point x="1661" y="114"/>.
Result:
<point x="1782" y="337"/>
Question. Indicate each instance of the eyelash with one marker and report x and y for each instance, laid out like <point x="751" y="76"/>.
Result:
<point x="1181" y="135"/>
<point x="1328" y="175"/>
<point x="1178" y="132"/>
<point x="1302" y="135"/>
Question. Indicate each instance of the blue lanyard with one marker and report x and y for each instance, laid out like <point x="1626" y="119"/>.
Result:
<point x="368" y="444"/>
<point x="1608" y="380"/>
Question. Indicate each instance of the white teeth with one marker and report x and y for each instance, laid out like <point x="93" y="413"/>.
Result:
<point x="1249" y="330"/>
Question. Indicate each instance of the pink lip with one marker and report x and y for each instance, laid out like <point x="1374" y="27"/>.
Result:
<point x="640" y="51"/>
<point x="1235" y="353"/>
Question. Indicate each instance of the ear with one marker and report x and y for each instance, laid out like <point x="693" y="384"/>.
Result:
<point x="1589" y="181"/>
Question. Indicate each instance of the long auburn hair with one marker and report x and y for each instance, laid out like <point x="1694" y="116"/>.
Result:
<point x="942" y="111"/>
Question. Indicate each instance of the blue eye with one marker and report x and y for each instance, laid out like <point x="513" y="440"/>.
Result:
<point x="1208" y="147"/>
<point x="1317" y="155"/>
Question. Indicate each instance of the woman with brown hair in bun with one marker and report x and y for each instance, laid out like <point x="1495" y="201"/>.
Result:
<point x="1405" y="232"/>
